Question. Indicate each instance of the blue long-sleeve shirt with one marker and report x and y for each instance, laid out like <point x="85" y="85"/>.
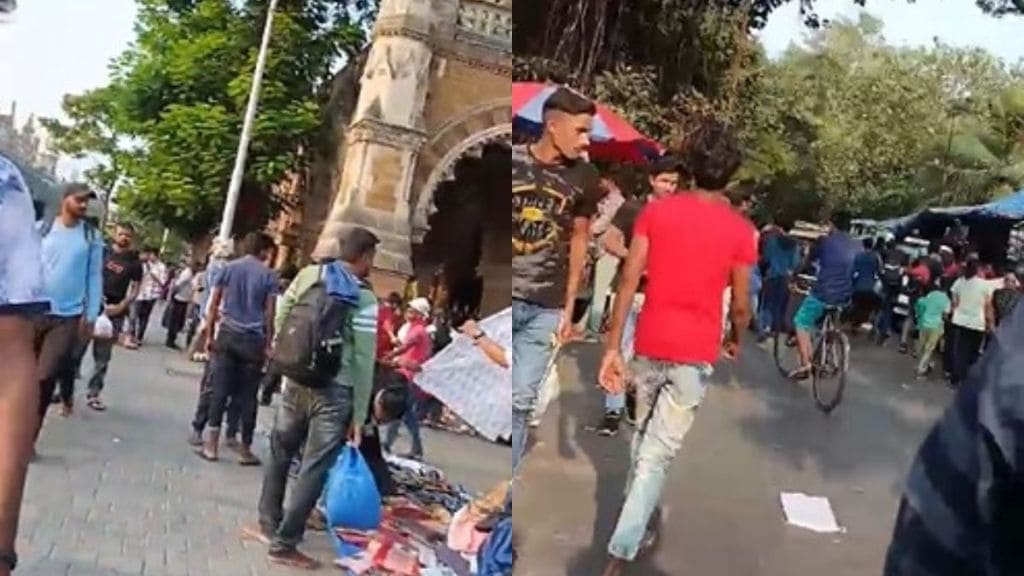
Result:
<point x="73" y="271"/>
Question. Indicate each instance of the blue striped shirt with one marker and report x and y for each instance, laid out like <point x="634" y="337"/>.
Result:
<point x="962" y="513"/>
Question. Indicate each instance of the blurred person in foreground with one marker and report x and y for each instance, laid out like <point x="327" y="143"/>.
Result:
<point x="22" y="302"/>
<point x="962" y="512"/>
<point x="679" y="331"/>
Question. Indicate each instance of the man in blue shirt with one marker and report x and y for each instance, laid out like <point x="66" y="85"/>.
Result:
<point x="73" y="282"/>
<point x="834" y="255"/>
<point x="239" y="333"/>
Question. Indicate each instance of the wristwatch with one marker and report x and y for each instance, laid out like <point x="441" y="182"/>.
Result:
<point x="9" y="560"/>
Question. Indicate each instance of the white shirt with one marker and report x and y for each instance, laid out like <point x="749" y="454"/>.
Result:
<point x="154" y="276"/>
<point x="183" y="285"/>
<point x="971" y="296"/>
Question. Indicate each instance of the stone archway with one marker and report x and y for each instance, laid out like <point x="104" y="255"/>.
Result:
<point x="437" y="161"/>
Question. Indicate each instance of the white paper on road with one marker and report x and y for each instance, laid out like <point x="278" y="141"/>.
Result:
<point x="810" y="512"/>
<point x="472" y="386"/>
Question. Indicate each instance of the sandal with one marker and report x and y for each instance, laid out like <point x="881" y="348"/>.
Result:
<point x="96" y="404"/>
<point x="255" y="534"/>
<point x="802" y="373"/>
<point x="202" y="454"/>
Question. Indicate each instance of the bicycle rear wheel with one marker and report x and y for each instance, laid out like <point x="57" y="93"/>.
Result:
<point x="831" y="361"/>
<point x="787" y="357"/>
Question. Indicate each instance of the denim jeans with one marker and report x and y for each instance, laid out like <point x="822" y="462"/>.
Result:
<point x="533" y="329"/>
<point x="411" y="420"/>
<point x="199" y="420"/>
<point x="668" y="396"/>
<point x="102" y="353"/>
<point x="315" y="421"/>
<point x="235" y="371"/>
<point x="617" y="402"/>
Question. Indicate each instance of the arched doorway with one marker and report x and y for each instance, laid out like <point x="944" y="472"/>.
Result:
<point x="465" y="254"/>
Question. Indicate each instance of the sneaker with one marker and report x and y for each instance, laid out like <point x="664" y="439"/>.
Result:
<point x="610" y="423"/>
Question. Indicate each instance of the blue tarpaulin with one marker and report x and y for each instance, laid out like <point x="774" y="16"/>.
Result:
<point x="1008" y="208"/>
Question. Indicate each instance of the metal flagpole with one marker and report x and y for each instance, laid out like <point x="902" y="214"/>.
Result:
<point x="235" y="187"/>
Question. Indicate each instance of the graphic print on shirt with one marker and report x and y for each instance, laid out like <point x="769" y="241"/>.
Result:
<point x="535" y="209"/>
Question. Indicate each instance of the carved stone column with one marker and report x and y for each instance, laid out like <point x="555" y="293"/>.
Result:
<point x="385" y="138"/>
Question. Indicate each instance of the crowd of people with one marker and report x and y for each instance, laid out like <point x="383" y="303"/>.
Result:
<point x="343" y="364"/>
<point x="693" y="274"/>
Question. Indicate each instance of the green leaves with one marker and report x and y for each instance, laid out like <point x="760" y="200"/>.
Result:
<point x="169" y="121"/>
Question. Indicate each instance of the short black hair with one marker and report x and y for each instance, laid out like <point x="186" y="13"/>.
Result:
<point x="714" y="155"/>
<point x="569" y="102"/>
<point x="288" y="272"/>
<point x="150" y="250"/>
<point x="257" y="243"/>
<point x="869" y="243"/>
<point x="393" y="402"/>
<point x="841" y="220"/>
<point x="126" y="226"/>
<point x="665" y="165"/>
<point x="394" y="298"/>
<point x="357" y="243"/>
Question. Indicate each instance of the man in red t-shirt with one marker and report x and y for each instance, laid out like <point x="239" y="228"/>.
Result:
<point x="692" y="246"/>
<point x="389" y="319"/>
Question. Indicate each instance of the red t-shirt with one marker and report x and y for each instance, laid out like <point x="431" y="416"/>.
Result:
<point x="387" y="324"/>
<point x="695" y="242"/>
<point x="420" y="348"/>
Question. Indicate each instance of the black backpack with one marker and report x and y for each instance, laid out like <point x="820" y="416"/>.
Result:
<point x="310" y="344"/>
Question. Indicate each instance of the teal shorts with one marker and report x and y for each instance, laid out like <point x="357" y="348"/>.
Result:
<point x="809" y="314"/>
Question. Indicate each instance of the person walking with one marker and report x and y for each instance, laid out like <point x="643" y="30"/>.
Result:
<point x="931" y="313"/>
<point x="415" y="349"/>
<point x="178" y="302"/>
<point x="152" y="290"/>
<point x="73" y="276"/>
<point x="316" y="415"/>
<point x="663" y="177"/>
<point x="679" y="331"/>
<point x="239" y="335"/>
<point x="972" y="319"/>
<point x="22" y="302"/>
<point x="550" y="232"/>
<point x="122" y="273"/>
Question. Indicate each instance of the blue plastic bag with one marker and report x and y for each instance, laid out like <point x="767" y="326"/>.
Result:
<point x="497" y="555"/>
<point x="351" y="498"/>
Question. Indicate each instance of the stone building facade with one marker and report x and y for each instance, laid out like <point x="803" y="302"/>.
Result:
<point x="435" y="89"/>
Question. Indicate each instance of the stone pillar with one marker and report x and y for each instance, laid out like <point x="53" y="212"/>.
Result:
<point x="385" y="138"/>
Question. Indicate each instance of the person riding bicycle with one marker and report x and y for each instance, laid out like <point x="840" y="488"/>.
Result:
<point x="834" y="255"/>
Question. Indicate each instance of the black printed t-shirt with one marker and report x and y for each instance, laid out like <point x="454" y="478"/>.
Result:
<point x="119" y="271"/>
<point x="545" y="201"/>
<point x="625" y="221"/>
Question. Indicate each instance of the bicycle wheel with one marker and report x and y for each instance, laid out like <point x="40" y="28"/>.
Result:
<point x="830" y="366"/>
<point x="787" y="357"/>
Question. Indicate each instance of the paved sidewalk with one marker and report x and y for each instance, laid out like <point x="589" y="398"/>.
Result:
<point x="122" y="494"/>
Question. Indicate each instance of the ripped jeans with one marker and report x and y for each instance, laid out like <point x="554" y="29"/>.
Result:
<point x="668" y="396"/>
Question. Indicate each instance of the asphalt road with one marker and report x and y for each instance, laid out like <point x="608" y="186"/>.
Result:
<point x="122" y="494"/>
<point x="757" y="435"/>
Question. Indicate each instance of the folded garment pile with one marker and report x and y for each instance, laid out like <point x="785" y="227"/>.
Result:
<point x="430" y="529"/>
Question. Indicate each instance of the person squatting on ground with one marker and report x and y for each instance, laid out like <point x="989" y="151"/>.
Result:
<point x="22" y="301"/>
<point x="549" y="240"/>
<point x="239" y="335"/>
<point x="327" y="388"/>
<point x="73" y="277"/>
<point x="679" y="331"/>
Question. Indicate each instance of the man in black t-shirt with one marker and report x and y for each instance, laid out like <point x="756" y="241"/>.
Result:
<point x="664" y="177"/>
<point x="551" y="211"/>
<point x="122" y="273"/>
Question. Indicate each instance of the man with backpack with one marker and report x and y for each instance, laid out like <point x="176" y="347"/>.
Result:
<point x="73" y="279"/>
<point x="325" y="351"/>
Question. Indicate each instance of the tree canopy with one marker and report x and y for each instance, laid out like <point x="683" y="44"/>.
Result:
<point x="167" y="125"/>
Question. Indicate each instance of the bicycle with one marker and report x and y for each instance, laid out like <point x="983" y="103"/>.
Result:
<point x="830" y="353"/>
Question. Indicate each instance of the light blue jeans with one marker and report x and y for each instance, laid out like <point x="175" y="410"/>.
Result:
<point x="533" y="329"/>
<point x="617" y="402"/>
<point x="667" y="399"/>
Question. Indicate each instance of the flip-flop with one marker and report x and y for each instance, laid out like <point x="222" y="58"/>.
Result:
<point x="202" y="454"/>
<point x="801" y="373"/>
<point x="255" y="534"/>
<point x="96" y="404"/>
<point x="250" y="461"/>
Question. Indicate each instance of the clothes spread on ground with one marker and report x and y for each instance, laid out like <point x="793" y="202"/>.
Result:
<point x="546" y="199"/>
<point x="430" y="528"/>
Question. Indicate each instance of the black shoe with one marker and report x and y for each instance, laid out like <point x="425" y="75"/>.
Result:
<point x="610" y="423"/>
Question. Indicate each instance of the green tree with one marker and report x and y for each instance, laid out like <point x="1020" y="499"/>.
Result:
<point x="168" y="123"/>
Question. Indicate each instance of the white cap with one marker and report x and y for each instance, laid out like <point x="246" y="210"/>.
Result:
<point x="421" y="305"/>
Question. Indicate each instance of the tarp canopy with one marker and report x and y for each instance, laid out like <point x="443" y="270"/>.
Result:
<point x="1010" y="208"/>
